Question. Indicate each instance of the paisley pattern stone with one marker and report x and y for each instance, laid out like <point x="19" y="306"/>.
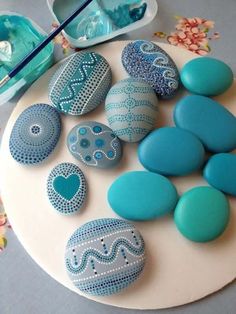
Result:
<point x="94" y="144"/>
<point x="142" y="195"/>
<point x="145" y="60"/>
<point x="131" y="109"/>
<point x="35" y="134"/>
<point x="80" y="84"/>
<point x="105" y="256"/>
<point x="66" y="188"/>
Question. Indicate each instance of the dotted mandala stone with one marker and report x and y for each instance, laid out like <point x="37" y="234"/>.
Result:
<point x="94" y="144"/>
<point x="105" y="256"/>
<point x="145" y="60"/>
<point x="35" y="134"/>
<point x="131" y="109"/>
<point x="80" y="84"/>
<point x="66" y="188"/>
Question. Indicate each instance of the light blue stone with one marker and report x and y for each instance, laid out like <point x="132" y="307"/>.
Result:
<point x="66" y="188"/>
<point x="206" y="76"/>
<point x="211" y="122"/>
<point x="220" y="172"/>
<point x="94" y="144"/>
<point x="105" y="256"/>
<point x="131" y="109"/>
<point x="80" y="84"/>
<point x="142" y="195"/>
<point x="171" y="151"/>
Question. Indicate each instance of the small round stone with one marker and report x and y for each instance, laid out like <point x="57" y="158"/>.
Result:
<point x="66" y="188"/>
<point x="202" y="214"/>
<point x="80" y="84"/>
<point x="95" y="146"/>
<point x="35" y="134"/>
<point x="105" y="256"/>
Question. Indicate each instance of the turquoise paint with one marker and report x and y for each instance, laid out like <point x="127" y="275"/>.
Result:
<point x="67" y="187"/>
<point x="206" y="76"/>
<point x="142" y="195"/>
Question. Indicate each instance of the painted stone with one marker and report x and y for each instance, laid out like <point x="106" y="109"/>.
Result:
<point x="94" y="144"/>
<point x="131" y="109"/>
<point x="206" y="76"/>
<point x="171" y="151"/>
<point x="66" y="188"/>
<point x="212" y="123"/>
<point x="80" y="84"/>
<point x="105" y="256"/>
<point x="35" y="134"/>
<point x="142" y="195"/>
<point x="202" y="214"/>
<point x="220" y="172"/>
<point x="145" y="60"/>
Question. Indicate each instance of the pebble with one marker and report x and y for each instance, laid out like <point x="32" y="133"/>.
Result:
<point x="202" y="214"/>
<point x="171" y="151"/>
<point x="94" y="144"/>
<point x="220" y="172"/>
<point x="145" y="60"/>
<point x="80" y="84"/>
<point x="142" y="195"/>
<point x="35" y="134"/>
<point x="105" y="256"/>
<point x="206" y="76"/>
<point x="66" y="188"/>
<point x="131" y="109"/>
<point x="211" y="122"/>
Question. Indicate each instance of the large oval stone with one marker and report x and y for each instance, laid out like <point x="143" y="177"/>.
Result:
<point x="35" y="134"/>
<point x="94" y="144"/>
<point x="145" y="60"/>
<point x="220" y="172"/>
<point x="171" y="151"/>
<point x="212" y="123"/>
<point x="202" y="214"/>
<point x="206" y="76"/>
<point x="80" y="84"/>
<point x="142" y="195"/>
<point x="131" y="109"/>
<point x="105" y="256"/>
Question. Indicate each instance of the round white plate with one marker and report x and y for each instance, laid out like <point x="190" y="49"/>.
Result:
<point x="177" y="271"/>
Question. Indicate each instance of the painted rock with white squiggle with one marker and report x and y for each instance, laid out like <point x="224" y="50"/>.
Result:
<point x="94" y="144"/>
<point x="80" y="84"/>
<point x="145" y="60"/>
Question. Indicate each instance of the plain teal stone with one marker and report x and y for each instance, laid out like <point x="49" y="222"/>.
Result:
<point x="211" y="122"/>
<point x="171" y="151"/>
<point x="220" y="172"/>
<point x="206" y="76"/>
<point x="142" y="195"/>
<point x="202" y="214"/>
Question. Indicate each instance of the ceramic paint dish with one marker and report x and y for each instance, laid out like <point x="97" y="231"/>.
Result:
<point x="61" y="9"/>
<point x="25" y="42"/>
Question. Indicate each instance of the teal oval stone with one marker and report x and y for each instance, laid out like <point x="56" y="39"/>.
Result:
<point x="142" y="195"/>
<point x="212" y="123"/>
<point x="220" y="172"/>
<point x="202" y="214"/>
<point x="206" y="76"/>
<point x="171" y="151"/>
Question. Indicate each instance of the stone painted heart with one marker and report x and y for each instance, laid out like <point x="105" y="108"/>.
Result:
<point x="67" y="187"/>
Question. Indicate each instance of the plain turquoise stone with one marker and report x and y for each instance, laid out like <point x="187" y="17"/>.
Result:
<point x="202" y="214"/>
<point x="211" y="122"/>
<point x="220" y="172"/>
<point x="142" y="195"/>
<point x="206" y="76"/>
<point x="171" y="151"/>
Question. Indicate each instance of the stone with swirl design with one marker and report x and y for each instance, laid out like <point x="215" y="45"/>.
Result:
<point x="145" y="60"/>
<point x="105" y="256"/>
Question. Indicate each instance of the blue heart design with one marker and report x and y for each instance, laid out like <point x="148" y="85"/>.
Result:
<point x="67" y="187"/>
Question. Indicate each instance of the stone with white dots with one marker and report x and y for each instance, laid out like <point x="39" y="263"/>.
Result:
<point x="80" y="84"/>
<point x="94" y="144"/>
